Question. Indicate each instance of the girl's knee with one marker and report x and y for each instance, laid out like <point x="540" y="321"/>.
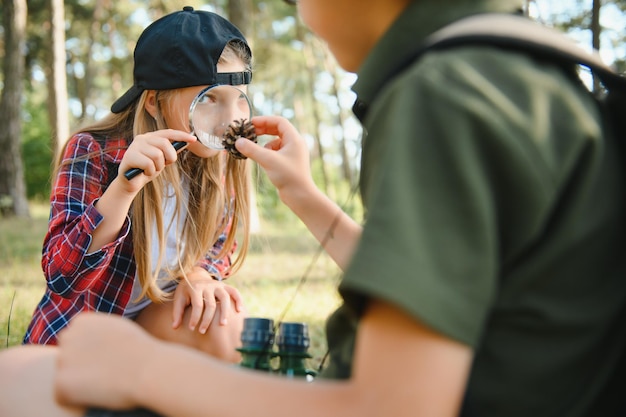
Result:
<point x="220" y="341"/>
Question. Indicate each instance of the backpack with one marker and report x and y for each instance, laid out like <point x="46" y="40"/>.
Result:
<point x="515" y="32"/>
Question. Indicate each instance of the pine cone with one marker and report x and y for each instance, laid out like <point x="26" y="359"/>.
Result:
<point x="238" y="128"/>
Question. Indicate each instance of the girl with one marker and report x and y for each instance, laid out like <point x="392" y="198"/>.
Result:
<point x="125" y="246"/>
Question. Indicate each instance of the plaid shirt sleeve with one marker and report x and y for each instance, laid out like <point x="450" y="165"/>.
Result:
<point x="68" y="268"/>
<point x="77" y="280"/>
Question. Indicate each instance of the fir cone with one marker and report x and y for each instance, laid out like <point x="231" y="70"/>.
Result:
<point x="238" y="128"/>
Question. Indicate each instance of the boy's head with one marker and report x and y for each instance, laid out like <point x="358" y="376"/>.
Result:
<point x="182" y="50"/>
<point x="351" y="28"/>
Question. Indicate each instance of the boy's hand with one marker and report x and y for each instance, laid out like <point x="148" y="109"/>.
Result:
<point x="99" y="358"/>
<point x="285" y="159"/>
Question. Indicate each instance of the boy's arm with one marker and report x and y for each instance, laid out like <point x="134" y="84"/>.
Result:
<point x="401" y="368"/>
<point x="285" y="160"/>
<point x="332" y="227"/>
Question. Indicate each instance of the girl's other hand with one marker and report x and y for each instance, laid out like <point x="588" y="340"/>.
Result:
<point x="204" y="295"/>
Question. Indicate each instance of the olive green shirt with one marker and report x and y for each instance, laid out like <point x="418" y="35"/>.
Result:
<point x="494" y="216"/>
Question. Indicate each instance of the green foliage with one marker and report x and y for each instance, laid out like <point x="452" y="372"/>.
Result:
<point x="36" y="151"/>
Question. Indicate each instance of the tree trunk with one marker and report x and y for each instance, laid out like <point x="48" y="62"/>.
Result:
<point x="346" y="165"/>
<point x="526" y="7"/>
<point x="311" y="70"/>
<point x="316" y="118"/>
<point x="596" y="30"/>
<point x="85" y="85"/>
<point x="57" y="82"/>
<point x="13" y="201"/>
<point x="239" y="12"/>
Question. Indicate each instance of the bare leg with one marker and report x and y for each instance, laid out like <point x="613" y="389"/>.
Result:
<point x="26" y="383"/>
<point x="219" y="341"/>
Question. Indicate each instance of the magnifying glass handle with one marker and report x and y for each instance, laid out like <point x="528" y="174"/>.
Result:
<point x="133" y="172"/>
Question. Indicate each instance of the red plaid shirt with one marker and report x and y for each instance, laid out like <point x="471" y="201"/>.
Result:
<point x="80" y="281"/>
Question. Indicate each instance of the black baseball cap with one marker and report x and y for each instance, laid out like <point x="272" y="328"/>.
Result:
<point x="181" y="50"/>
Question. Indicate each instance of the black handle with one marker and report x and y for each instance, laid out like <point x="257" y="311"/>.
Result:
<point x="133" y="172"/>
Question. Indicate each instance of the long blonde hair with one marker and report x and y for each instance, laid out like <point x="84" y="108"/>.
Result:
<point x="218" y="196"/>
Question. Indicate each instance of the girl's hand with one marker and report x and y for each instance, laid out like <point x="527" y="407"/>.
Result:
<point x="204" y="294"/>
<point x="150" y="152"/>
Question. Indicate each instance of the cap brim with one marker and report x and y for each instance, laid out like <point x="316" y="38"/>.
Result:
<point x="126" y="100"/>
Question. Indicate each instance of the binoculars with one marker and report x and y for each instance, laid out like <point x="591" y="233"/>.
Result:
<point x="258" y="341"/>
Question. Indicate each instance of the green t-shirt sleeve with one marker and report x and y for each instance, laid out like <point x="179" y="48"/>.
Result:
<point x="455" y="181"/>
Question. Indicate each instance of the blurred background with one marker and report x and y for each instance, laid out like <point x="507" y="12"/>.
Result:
<point x="64" y="62"/>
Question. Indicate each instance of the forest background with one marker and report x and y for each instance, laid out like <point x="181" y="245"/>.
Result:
<point x="65" y="62"/>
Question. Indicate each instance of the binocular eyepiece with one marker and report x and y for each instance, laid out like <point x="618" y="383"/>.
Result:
<point x="258" y="340"/>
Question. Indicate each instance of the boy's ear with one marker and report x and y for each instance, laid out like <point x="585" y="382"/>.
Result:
<point x="151" y="104"/>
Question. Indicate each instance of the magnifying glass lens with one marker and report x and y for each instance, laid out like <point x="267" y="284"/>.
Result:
<point x="214" y="109"/>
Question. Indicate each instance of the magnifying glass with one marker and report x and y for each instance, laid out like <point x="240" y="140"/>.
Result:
<point x="213" y="113"/>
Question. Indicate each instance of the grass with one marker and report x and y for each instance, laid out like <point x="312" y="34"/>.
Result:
<point x="279" y="257"/>
<point x="21" y="280"/>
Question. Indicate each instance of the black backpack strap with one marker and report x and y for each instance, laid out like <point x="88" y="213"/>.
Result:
<point x="522" y="34"/>
<point x="518" y="33"/>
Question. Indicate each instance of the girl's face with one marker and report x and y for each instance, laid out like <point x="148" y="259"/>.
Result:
<point x="177" y="114"/>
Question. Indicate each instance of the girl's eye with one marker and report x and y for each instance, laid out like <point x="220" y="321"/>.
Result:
<point x="207" y="99"/>
<point x="242" y="103"/>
